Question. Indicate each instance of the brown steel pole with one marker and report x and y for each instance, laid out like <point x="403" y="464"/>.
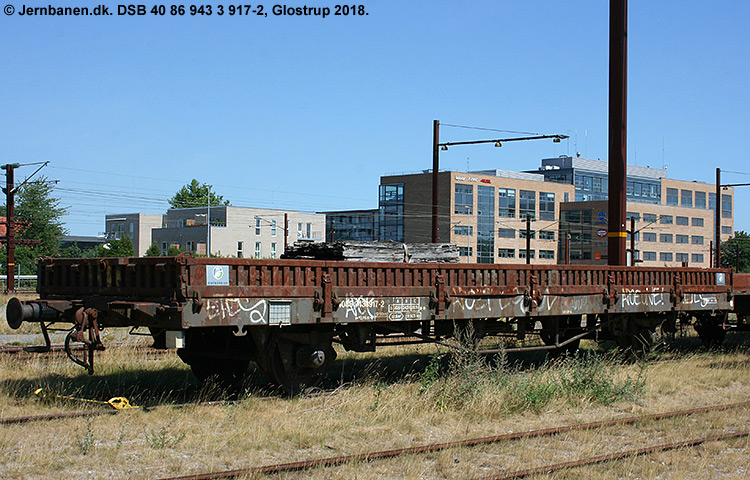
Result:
<point x="717" y="220"/>
<point x="632" y="241"/>
<point x="10" y="284"/>
<point x="435" y="167"/>
<point x="711" y="253"/>
<point x="528" y="239"/>
<point x="618" y="57"/>
<point x="286" y="231"/>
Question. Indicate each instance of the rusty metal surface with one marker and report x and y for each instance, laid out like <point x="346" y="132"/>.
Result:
<point x="741" y="283"/>
<point x="434" y="447"/>
<point x="176" y="292"/>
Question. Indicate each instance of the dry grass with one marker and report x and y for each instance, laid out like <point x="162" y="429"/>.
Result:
<point x="397" y="398"/>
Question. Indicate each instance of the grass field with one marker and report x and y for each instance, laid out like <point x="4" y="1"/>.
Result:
<point x="398" y="397"/>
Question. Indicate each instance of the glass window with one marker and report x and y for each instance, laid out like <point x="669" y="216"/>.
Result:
<point x="697" y="258"/>
<point x="547" y="254"/>
<point x="506" y="253"/>
<point x="649" y="256"/>
<point x="527" y="204"/>
<point x="485" y="224"/>
<point x="665" y="238"/>
<point x="697" y="222"/>
<point x="506" y="202"/>
<point x="681" y="239"/>
<point x="273" y="249"/>
<point x="635" y="215"/>
<point x="672" y="197"/>
<point x="649" y="217"/>
<point x="686" y="198"/>
<point x="682" y="257"/>
<point x="522" y="253"/>
<point x="649" y="237"/>
<point x="597" y="187"/>
<point x="257" y="225"/>
<point x="273" y="228"/>
<point x="700" y="199"/>
<point x="681" y="220"/>
<point x="522" y="234"/>
<point x="546" y="206"/>
<point x="506" y="233"/>
<point x="464" y="199"/>
<point x="391" y="212"/>
<point x="465" y="251"/>
<point x="665" y="219"/>
<point x="726" y="230"/>
<point x="712" y="201"/>
<point x="665" y="256"/>
<point x="257" y="249"/>
<point x="697" y="240"/>
<point x="464" y="230"/>
<point x="546" y="235"/>
<point x="726" y="206"/>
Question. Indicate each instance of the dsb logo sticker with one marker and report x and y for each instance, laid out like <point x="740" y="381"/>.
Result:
<point x="217" y="275"/>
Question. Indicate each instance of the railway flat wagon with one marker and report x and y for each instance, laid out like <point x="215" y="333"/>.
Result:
<point x="285" y="315"/>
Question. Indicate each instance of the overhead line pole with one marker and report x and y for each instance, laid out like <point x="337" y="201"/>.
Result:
<point x="618" y="48"/>
<point x="10" y="283"/>
<point x="436" y="146"/>
<point x="435" y="167"/>
<point x="717" y="220"/>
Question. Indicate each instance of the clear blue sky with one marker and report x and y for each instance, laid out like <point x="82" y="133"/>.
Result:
<point x="307" y="113"/>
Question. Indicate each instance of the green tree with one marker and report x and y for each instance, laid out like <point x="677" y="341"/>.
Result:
<point x="195" y="194"/>
<point x="39" y="216"/>
<point x="735" y="252"/>
<point x="153" y="251"/>
<point x="173" y="251"/>
<point x="117" y="248"/>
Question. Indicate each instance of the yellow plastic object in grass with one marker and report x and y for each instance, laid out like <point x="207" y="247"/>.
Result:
<point x="118" y="403"/>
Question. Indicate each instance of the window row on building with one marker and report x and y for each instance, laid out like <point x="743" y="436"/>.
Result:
<point x="697" y="199"/>
<point x="649" y="256"/>
<point x="509" y="205"/>
<point x="505" y="253"/>
<point x="671" y="238"/>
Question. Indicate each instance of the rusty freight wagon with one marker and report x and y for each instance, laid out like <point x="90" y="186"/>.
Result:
<point x="285" y="315"/>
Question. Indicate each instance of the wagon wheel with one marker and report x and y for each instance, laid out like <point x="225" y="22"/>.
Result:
<point x="225" y="372"/>
<point x="638" y="344"/>
<point x="295" y="367"/>
<point x="566" y="331"/>
<point x="711" y="331"/>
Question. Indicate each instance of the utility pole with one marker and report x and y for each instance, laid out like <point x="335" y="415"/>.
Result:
<point x="618" y="56"/>
<point x="435" y="167"/>
<point x="717" y="220"/>
<point x="10" y="224"/>
<point x="208" y="221"/>
<point x="437" y="146"/>
<point x="286" y="231"/>
<point x="528" y="239"/>
<point x="10" y="283"/>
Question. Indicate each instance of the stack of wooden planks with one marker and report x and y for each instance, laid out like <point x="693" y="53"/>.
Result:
<point x="375" y="252"/>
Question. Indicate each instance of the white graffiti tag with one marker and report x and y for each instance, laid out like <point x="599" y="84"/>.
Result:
<point x="361" y="309"/>
<point x="230" y="308"/>
<point x="700" y="299"/>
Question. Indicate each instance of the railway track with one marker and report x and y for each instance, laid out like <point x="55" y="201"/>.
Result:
<point x="435" y="447"/>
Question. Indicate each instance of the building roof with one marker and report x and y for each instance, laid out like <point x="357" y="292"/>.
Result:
<point x="565" y="162"/>
<point x="537" y="177"/>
